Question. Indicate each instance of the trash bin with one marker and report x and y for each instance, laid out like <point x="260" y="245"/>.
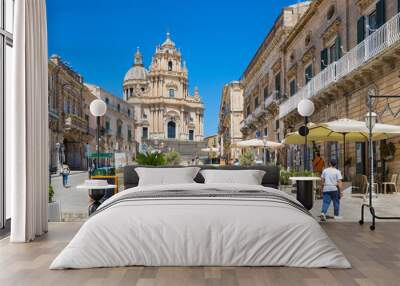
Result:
<point x="305" y="193"/>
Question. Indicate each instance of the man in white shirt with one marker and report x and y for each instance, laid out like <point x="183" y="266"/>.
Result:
<point x="331" y="188"/>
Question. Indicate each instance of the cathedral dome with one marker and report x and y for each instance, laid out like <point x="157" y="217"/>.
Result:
<point x="138" y="71"/>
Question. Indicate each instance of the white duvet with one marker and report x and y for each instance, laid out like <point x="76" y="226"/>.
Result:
<point x="200" y="231"/>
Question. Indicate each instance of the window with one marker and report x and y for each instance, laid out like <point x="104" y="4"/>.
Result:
<point x="171" y="92"/>
<point x="265" y="131"/>
<point x="107" y="100"/>
<point x="129" y="134"/>
<point x="265" y="92"/>
<point x="145" y="133"/>
<point x="119" y="129"/>
<point x="248" y="111"/>
<point x="6" y="40"/>
<point x="292" y="87"/>
<point x="256" y="103"/>
<point x="107" y="126"/>
<point x="372" y="23"/>
<point x="367" y="24"/>
<point x="308" y="73"/>
<point x="191" y="135"/>
<point x="119" y="107"/>
<point x="170" y="65"/>
<point x="129" y="113"/>
<point x="276" y="124"/>
<point x="335" y="51"/>
<point x="278" y="86"/>
<point x="171" y="130"/>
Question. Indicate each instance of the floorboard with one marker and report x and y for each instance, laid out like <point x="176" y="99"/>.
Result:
<point x="375" y="257"/>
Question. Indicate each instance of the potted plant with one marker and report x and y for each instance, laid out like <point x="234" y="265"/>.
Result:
<point x="285" y="184"/>
<point x="387" y="150"/>
<point x="173" y="158"/>
<point x="246" y="159"/>
<point x="54" y="208"/>
<point x="151" y="159"/>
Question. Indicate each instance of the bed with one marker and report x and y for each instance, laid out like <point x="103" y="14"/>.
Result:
<point x="201" y="224"/>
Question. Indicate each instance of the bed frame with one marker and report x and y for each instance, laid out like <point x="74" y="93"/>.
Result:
<point x="270" y="179"/>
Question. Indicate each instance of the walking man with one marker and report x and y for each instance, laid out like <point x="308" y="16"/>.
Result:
<point x="331" y="188"/>
<point x="65" y="173"/>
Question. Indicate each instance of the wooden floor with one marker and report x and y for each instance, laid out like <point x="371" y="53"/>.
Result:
<point x="375" y="257"/>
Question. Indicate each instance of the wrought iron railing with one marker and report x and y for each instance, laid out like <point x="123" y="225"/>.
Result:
<point x="383" y="38"/>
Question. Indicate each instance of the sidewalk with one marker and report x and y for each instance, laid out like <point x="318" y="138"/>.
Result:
<point x="71" y="174"/>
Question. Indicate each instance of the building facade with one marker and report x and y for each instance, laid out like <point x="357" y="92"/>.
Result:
<point x="165" y="113"/>
<point x="118" y="123"/>
<point x="336" y="53"/>
<point x="264" y="78"/>
<point x="230" y="117"/>
<point x="70" y="132"/>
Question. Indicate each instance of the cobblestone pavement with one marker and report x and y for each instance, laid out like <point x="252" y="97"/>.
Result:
<point x="75" y="202"/>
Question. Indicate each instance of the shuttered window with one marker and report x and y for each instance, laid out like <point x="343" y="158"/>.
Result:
<point x="324" y="58"/>
<point x="308" y="73"/>
<point x="292" y="87"/>
<point x="278" y="86"/>
<point x="266" y="91"/>
<point x="380" y="13"/>
<point x="360" y="29"/>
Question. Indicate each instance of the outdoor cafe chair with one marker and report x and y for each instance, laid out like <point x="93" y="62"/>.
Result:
<point x="393" y="182"/>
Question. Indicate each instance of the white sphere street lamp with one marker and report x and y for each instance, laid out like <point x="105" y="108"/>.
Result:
<point x="98" y="108"/>
<point x="305" y="108"/>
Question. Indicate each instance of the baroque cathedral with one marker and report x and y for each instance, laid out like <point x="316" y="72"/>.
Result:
<point x="166" y="115"/>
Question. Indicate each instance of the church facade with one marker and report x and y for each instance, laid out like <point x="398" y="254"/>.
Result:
<point x="166" y="115"/>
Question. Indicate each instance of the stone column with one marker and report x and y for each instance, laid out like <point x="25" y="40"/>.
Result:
<point x="162" y="131"/>
<point x="182" y="129"/>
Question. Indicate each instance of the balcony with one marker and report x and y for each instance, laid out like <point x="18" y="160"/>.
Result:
<point x="75" y="123"/>
<point x="248" y="122"/>
<point x="375" y="44"/>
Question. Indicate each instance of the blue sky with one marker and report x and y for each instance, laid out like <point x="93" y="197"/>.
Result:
<point x="217" y="39"/>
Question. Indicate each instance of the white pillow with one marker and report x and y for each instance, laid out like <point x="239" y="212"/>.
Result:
<point x="248" y="177"/>
<point x="166" y="176"/>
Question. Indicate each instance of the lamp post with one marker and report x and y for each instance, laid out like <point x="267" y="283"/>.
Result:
<point x="370" y="121"/>
<point x="305" y="108"/>
<point x="58" y="157"/>
<point x="98" y="108"/>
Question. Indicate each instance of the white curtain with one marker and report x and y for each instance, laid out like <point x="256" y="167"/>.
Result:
<point x="27" y="123"/>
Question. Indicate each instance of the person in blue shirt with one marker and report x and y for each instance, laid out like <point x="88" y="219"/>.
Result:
<point x="331" y="187"/>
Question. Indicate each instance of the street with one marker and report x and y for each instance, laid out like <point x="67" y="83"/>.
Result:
<point x="74" y="202"/>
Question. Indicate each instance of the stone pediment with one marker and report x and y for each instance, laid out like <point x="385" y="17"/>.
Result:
<point x="331" y="31"/>
<point x="364" y="4"/>
<point x="292" y="71"/>
<point x="277" y="66"/>
<point x="308" y="55"/>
